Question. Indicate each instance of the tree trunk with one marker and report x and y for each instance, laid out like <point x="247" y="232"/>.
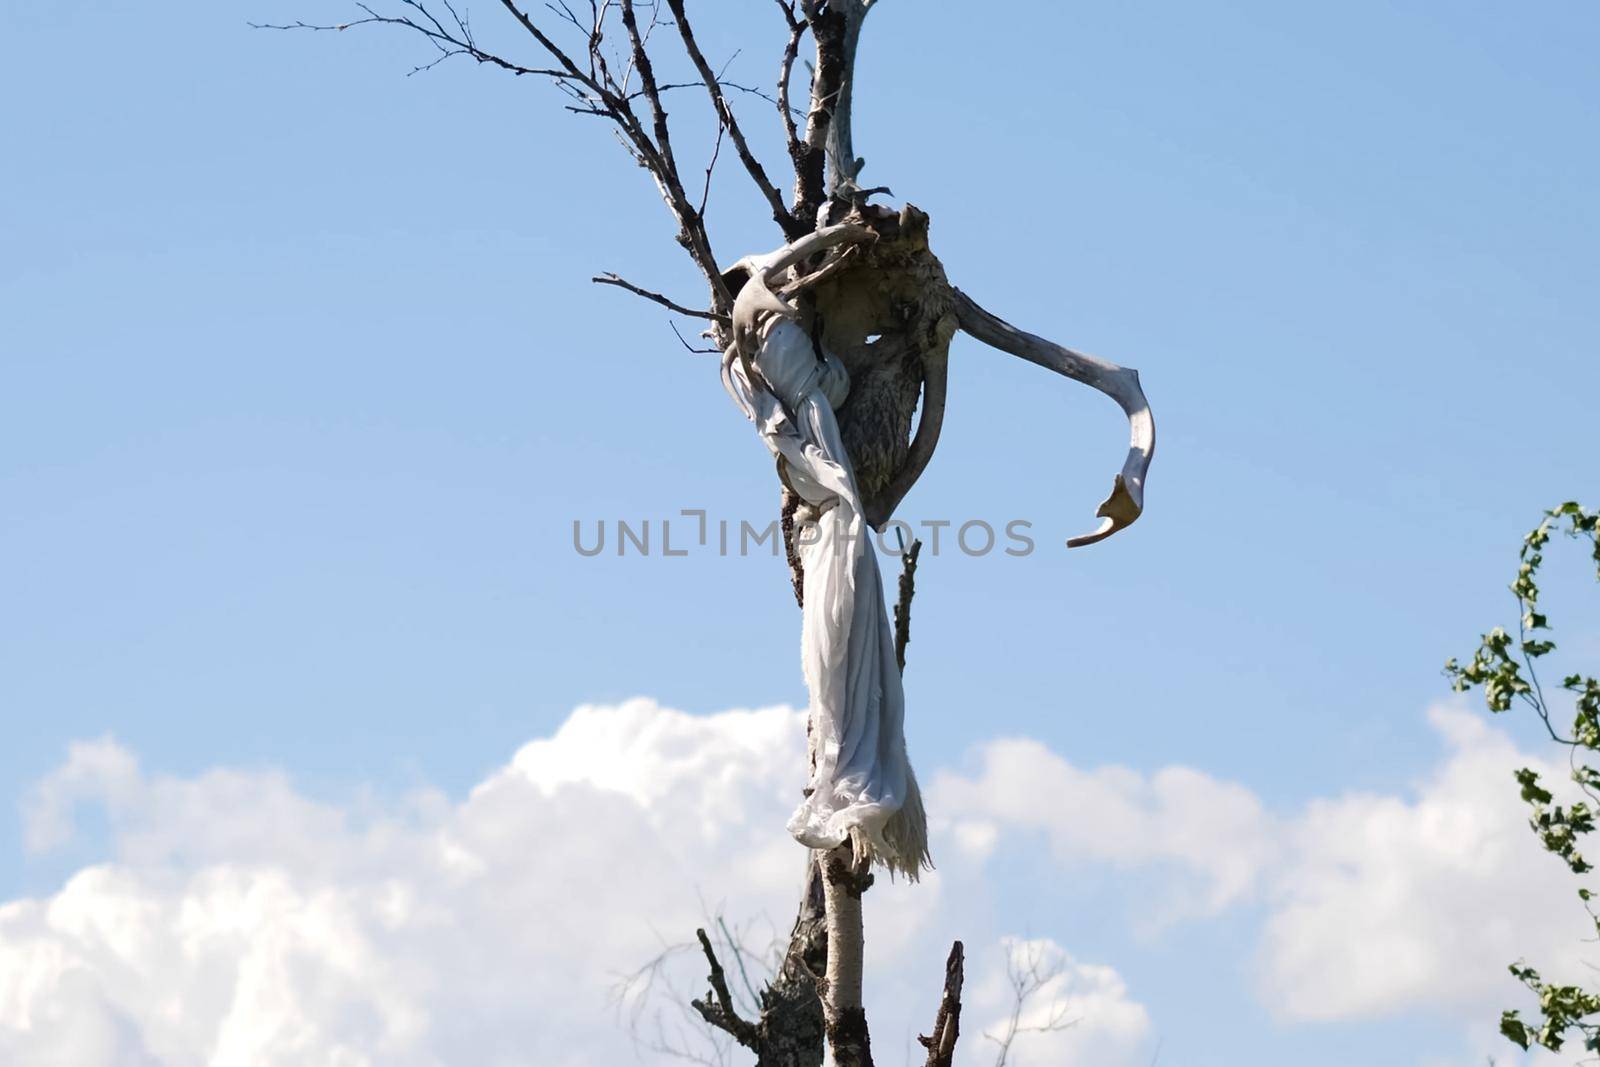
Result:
<point x="846" y="1019"/>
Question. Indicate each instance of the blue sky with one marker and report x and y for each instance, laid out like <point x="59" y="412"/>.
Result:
<point x="303" y="384"/>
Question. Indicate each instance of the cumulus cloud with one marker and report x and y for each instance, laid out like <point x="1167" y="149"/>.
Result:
<point x="1388" y="902"/>
<point x="1214" y="834"/>
<point x="100" y="770"/>
<point x="1040" y="1004"/>
<point x="1371" y="903"/>
<point x="237" y="921"/>
<point x="240" y="922"/>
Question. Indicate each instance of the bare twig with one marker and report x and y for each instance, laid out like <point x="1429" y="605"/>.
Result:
<point x="737" y="87"/>
<point x="941" y="1044"/>
<point x="716" y="151"/>
<point x="686" y="1036"/>
<point x="685" y="342"/>
<point x="1029" y="972"/>
<point x="622" y="283"/>
<point x="448" y="43"/>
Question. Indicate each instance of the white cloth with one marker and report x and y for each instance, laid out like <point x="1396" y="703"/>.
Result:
<point x="862" y="778"/>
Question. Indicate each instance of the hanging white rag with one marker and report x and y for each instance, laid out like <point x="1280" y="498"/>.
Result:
<point x="861" y="779"/>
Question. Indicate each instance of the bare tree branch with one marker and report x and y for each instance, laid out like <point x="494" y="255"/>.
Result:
<point x="1029" y="971"/>
<point x="622" y="283"/>
<point x="725" y="83"/>
<point x="553" y="49"/>
<point x="722" y="1014"/>
<point x="780" y="213"/>
<point x="594" y="91"/>
<point x="640" y="61"/>
<point x="902" y="607"/>
<point x="941" y="1044"/>
<point x="692" y="232"/>
<point x="449" y="44"/>
<point x="797" y="30"/>
<point x="716" y="151"/>
<point x="635" y="994"/>
<point x="738" y="959"/>
<point x="684" y="341"/>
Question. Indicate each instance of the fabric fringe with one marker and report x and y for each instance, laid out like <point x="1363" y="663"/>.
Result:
<point x="903" y="847"/>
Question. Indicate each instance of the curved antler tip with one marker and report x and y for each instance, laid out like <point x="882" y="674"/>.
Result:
<point x="1119" y="510"/>
<point x="1106" y="529"/>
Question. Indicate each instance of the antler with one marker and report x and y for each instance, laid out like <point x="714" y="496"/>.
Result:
<point x="1121" y="384"/>
<point x="756" y="298"/>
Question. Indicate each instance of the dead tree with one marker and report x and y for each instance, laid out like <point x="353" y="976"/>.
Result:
<point x="884" y="308"/>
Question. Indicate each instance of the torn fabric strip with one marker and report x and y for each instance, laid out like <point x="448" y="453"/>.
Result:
<point x="862" y="779"/>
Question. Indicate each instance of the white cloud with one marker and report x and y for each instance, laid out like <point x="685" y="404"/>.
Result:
<point x="1372" y="904"/>
<point x="1055" y="1009"/>
<point x="99" y="770"/>
<point x="1216" y="834"/>
<point x="239" y="922"/>
<point x="1386" y="902"/>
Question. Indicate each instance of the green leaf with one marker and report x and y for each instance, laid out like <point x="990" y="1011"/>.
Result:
<point x="1513" y="1028"/>
<point x="1532" y="791"/>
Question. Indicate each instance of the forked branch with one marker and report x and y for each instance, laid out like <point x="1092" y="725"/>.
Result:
<point x="720" y="1012"/>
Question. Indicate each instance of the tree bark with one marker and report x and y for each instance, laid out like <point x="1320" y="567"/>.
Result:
<point x="845" y="1017"/>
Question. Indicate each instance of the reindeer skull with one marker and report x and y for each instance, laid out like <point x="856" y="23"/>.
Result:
<point x="885" y="309"/>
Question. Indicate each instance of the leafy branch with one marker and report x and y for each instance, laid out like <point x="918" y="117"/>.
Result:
<point x="1505" y="668"/>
